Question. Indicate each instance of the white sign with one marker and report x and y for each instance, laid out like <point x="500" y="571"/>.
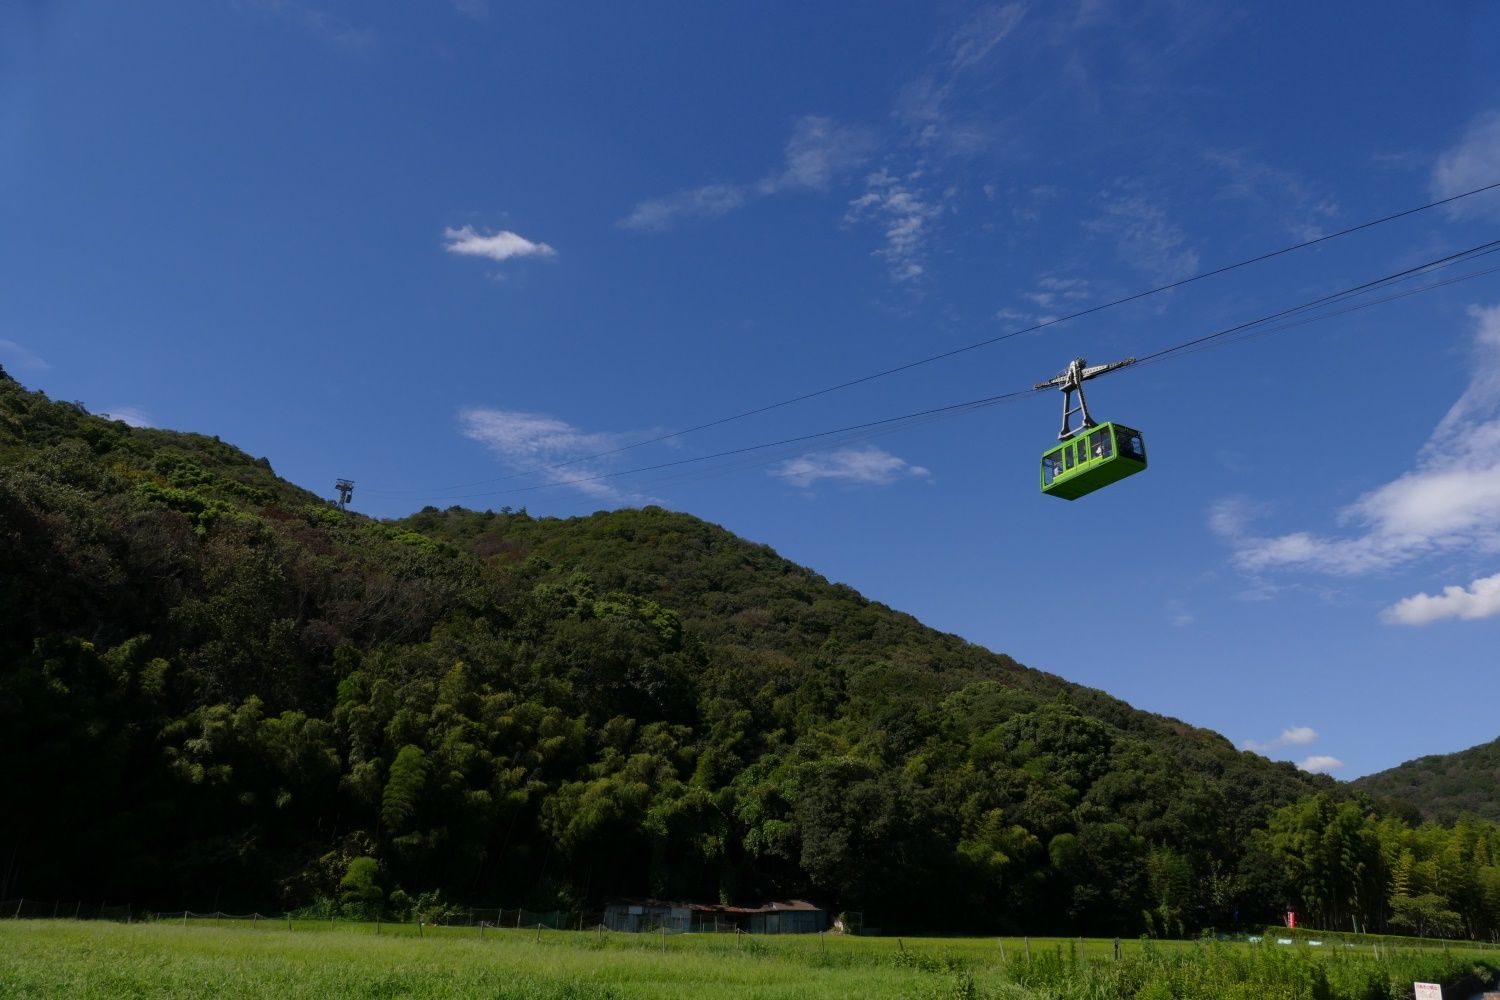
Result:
<point x="1427" y="991"/>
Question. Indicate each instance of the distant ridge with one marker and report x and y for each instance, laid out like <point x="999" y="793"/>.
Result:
<point x="1444" y="786"/>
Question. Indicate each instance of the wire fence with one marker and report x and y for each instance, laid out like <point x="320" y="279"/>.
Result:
<point x="72" y="909"/>
<point x="490" y="918"/>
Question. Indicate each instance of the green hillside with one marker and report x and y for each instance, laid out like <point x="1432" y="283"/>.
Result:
<point x="1445" y="786"/>
<point x="214" y="687"/>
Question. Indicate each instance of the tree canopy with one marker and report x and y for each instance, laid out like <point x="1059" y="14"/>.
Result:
<point x="214" y="683"/>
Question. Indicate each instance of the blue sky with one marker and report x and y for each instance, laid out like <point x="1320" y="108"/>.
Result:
<point x="437" y="247"/>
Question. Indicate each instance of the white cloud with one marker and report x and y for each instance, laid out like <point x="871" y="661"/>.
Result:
<point x="1473" y="163"/>
<point x="12" y="353"/>
<point x="707" y="202"/>
<point x="532" y="442"/>
<point x="477" y="9"/>
<point x="905" y="216"/>
<point x="926" y="104"/>
<point x="132" y="415"/>
<point x="970" y="44"/>
<point x="1449" y="501"/>
<point x="1290" y="737"/>
<point x="1054" y="291"/>
<point x="319" y="22"/>
<point x="1481" y="599"/>
<point x="1179" y="614"/>
<point x="1274" y="191"/>
<point x="1147" y="239"/>
<point x="1319" y="764"/>
<point x="819" y="152"/>
<point x="868" y="466"/>
<point x="500" y="247"/>
<point x="1230" y="517"/>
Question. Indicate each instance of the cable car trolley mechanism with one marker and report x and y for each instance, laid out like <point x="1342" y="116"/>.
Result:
<point x="1092" y="455"/>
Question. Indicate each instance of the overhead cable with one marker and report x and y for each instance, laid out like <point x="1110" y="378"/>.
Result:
<point x="1033" y="328"/>
<point x="955" y="409"/>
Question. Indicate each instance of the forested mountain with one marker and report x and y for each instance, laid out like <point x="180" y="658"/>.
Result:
<point x="1445" y="786"/>
<point x="215" y="686"/>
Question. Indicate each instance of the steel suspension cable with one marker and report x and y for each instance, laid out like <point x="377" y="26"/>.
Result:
<point x="955" y="409"/>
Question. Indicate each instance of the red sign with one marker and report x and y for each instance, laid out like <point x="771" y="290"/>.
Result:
<point x="1291" y="918"/>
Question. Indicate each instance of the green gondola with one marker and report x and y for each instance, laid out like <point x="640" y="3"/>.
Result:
<point x="1093" y="458"/>
<point x="1091" y="455"/>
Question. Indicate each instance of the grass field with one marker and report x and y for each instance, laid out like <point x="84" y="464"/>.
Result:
<point x="166" y="959"/>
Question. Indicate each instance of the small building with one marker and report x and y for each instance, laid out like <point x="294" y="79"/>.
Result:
<point x="637" y="915"/>
<point x="794" y="916"/>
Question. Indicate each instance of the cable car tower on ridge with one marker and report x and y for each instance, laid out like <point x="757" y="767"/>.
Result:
<point x="1070" y="381"/>
<point x="1092" y="455"/>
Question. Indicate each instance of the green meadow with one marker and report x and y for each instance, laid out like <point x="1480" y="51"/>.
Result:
<point x="315" y="959"/>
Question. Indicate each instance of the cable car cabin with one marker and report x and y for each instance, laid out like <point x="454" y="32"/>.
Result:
<point x="1094" y="457"/>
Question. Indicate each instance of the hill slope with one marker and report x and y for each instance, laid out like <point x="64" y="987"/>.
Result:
<point x="1445" y="786"/>
<point x="212" y="684"/>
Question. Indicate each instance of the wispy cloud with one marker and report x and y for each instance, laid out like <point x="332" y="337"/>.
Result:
<point x="533" y="442"/>
<point x="132" y="415"/>
<point x="501" y="246"/>
<point x="1473" y="163"/>
<point x="701" y="203"/>
<point x="1053" y="292"/>
<point x="1319" y="764"/>
<point x="1302" y="211"/>
<point x="1450" y="501"/>
<point x="1179" y="614"/>
<point x="1146" y="237"/>
<point x="1292" y="736"/>
<point x="1481" y="599"/>
<point x="819" y="152"/>
<point x="21" y="358"/>
<point x="320" y="23"/>
<point x="926" y="104"/>
<point x="868" y="466"/>
<point x="476" y="9"/>
<point x="976" y="38"/>
<point x="906" y="217"/>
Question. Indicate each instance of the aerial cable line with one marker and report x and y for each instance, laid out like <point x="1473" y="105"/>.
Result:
<point x="894" y="423"/>
<point x="1455" y="258"/>
<point x="868" y="434"/>
<point x="987" y="342"/>
<point x="879" y="432"/>
<point x="1205" y="345"/>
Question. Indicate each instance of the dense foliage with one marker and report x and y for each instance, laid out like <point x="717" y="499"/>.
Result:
<point x="1445" y="786"/>
<point x="215" y="686"/>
